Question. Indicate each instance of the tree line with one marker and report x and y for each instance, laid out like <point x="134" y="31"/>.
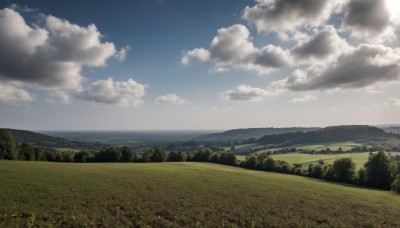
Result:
<point x="380" y="171"/>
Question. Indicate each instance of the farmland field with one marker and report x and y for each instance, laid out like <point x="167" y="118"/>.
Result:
<point x="181" y="194"/>
<point x="358" y="158"/>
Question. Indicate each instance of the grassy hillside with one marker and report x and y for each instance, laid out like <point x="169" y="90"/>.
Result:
<point x="358" y="158"/>
<point x="37" y="139"/>
<point x="181" y="194"/>
<point x="357" y="133"/>
<point x="244" y="134"/>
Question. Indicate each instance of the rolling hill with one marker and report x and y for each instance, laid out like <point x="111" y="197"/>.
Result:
<point x="44" y="194"/>
<point x="37" y="139"/>
<point x="356" y="133"/>
<point x="247" y="133"/>
<point x="395" y="130"/>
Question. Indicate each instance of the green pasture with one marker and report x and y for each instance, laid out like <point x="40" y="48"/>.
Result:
<point x="358" y="158"/>
<point x="181" y="194"/>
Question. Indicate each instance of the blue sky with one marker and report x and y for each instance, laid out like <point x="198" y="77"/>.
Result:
<point x="141" y="65"/>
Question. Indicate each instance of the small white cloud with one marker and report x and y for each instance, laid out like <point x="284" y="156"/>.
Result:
<point x="13" y="94"/>
<point x="110" y="92"/>
<point x="393" y="102"/>
<point x="20" y="8"/>
<point x="59" y="97"/>
<point x="121" y="54"/>
<point x="170" y="99"/>
<point x="198" y="53"/>
<point x="245" y="93"/>
<point x="305" y="98"/>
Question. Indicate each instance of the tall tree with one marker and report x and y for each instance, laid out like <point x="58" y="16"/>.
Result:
<point x="380" y="169"/>
<point x="8" y="147"/>
<point x="128" y="154"/>
<point x="159" y="156"/>
<point x="344" y="170"/>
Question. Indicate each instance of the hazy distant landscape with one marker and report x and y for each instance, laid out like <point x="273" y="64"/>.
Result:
<point x="200" y="113"/>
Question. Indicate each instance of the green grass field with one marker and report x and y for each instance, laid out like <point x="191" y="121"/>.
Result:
<point x="358" y="158"/>
<point x="346" y="146"/>
<point x="181" y="194"/>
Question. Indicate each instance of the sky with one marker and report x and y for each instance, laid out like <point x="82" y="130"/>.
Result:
<point x="186" y="64"/>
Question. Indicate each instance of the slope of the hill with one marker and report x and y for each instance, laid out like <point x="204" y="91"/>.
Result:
<point x="357" y="133"/>
<point x="37" y="139"/>
<point x="182" y="194"/>
<point x="244" y="134"/>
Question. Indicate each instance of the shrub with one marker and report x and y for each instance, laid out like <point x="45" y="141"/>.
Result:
<point x="396" y="184"/>
<point x="328" y="172"/>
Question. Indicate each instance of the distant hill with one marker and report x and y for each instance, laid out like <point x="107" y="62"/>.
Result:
<point x="37" y="139"/>
<point x="395" y="130"/>
<point x="244" y="134"/>
<point x="358" y="133"/>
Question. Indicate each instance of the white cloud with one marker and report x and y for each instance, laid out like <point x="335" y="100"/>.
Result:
<point x="170" y="99"/>
<point x="393" y="103"/>
<point x="245" y="93"/>
<point x="233" y="48"/>
<point x="24" y="8"/>
<point x="324" y="44"/>
<point x="110" y="92"/>
<point x="121" y="54"/>
<point x="51" y="56"/>
<point x="389" y="104"/>
<point x="371" y="19"/>
<point x="360" y="67"/>
<point x="198" y="53"/>
<point x="59" y="96"/>
<point x="305" y="98"/>
<point x="288" y="15"/>
<point x="12" y="94"/>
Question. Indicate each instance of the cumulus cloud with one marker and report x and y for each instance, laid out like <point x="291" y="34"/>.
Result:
<point x="233" y="48"/>
<point x="393" y="102"/>
<point x="110" y="92"/>
<point x="369" y="19"/>
<point x="323" y="44"/>
<point x="170" y="99"/>
<point x="50" y="56"/>
<point x="363" y="66"/>
<point x="12" y="94"/>
<point x="59" y="96"/>
<point x="245" y="93"/>
<point x="198" y="53"/>
<point x="305" y="98"/>
<point x="289" y="15"/>
<point x="121" y="54"/>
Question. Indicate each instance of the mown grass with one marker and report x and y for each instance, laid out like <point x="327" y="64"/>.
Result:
<point x="181" y="194"/>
